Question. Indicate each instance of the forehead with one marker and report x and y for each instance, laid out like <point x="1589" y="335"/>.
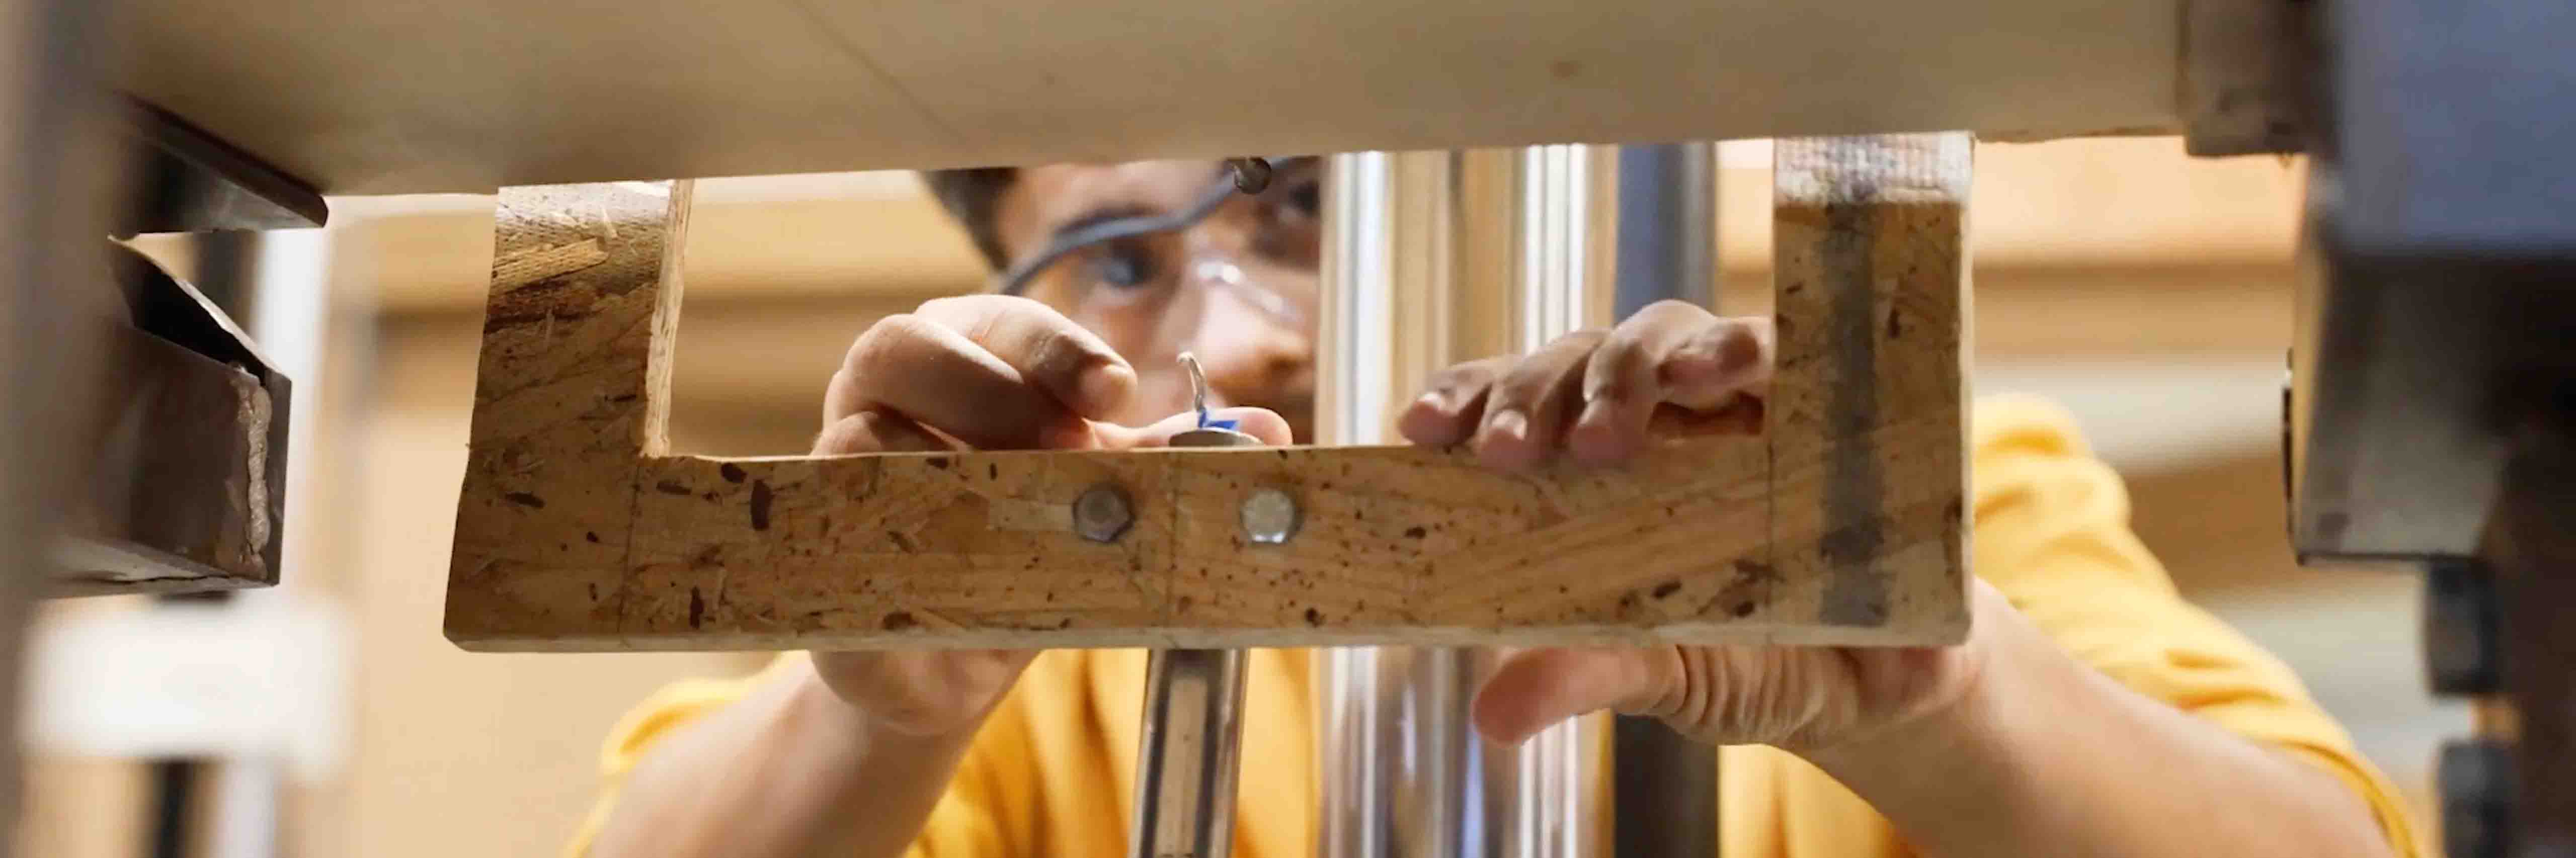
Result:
<point x="1050" y="196"/>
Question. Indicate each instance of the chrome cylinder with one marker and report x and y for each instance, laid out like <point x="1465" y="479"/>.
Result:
<point x="1430" y="259"/>
<point x="1667" y="226"/>
<point x="1567" y="243"/>
<point x="1189" y="754"/>
<point x="1190" y="749"/>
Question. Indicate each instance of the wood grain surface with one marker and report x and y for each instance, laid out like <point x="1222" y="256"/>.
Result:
<point x="401" y="96"/>
<point x="577" y="531"/>
<point x="1867" y="424"/>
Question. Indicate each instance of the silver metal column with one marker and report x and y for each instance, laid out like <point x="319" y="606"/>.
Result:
<point x="1545" y="794"/>
<point x="1665" y="783"/>
<point x="1667" y="226"/>
<point x="1392" y="736"/>
<point x="1430" y="259"/>
<point x="1189" y="753"/>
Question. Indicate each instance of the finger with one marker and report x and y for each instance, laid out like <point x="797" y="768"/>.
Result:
<point x="1721" y="359"/>
<point x="1049" y="350"/>
<point x="1740" y="416"/>
<point x="1528" y="407"/>
<point x="1531" y="690"/>
<point x="930" y="373"/>
<point x="875" y="432"/>
<point x="1451" y="404"/>
<point x="1622" y="384"/>
<point x="1261" y="423"/>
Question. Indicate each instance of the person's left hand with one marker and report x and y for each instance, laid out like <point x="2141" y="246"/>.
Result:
<point x="1602" y="397"/>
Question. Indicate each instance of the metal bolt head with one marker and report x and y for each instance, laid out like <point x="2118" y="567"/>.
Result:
<point x="1251" y="175"/>
<point x="1269" y="516"/>
<point x="1102" y="513"/>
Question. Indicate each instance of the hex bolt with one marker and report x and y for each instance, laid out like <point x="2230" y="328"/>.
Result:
<point x="1269" y="516"/>
<point x="1102" y="513"/>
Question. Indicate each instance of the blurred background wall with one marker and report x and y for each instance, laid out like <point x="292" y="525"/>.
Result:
<point x="2148" y="292"/>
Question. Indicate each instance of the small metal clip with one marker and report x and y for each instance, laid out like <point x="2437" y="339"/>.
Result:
<point x="1198" y="386"/>
<point x="1198" y="394"/>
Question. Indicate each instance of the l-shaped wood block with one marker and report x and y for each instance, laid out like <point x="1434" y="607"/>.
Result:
<point x="1841" y="524"/>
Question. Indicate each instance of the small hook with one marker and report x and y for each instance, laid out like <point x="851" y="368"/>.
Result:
<point x="1198" y="386"/>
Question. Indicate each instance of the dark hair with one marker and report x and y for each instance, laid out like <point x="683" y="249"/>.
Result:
<point x="971" y="196"/>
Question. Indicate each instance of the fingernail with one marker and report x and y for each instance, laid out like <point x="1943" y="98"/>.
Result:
<point x="1515" y="737"/>
<point x="1436" y="401"/>
<point x="1595" y="412"/>
<point x="1738" y="350"/>
<point x="1508" y="423"/>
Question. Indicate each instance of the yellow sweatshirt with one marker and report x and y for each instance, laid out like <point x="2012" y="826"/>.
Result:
<point x="1052" y="772"/>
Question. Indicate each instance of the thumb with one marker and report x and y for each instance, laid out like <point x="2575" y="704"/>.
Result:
<point x="1534" y="689"/>
<point x="1260" y="423"/>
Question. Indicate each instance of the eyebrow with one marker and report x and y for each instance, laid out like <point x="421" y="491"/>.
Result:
<point x="1096" y="217"/>
<point x="1110" y="224"/>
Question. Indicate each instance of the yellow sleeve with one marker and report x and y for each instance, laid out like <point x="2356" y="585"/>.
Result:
<point x="2052" y="533"/>
<point x="968" y="821"/>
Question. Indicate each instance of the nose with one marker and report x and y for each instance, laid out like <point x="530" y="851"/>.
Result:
<point x="1225" y="276"/>
<point x="1254" y="355"/>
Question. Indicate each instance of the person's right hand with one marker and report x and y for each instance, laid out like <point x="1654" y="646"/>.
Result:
<point x="985" y="372"/>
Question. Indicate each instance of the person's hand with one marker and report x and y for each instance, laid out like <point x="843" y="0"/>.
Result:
<point x="988" y="372"/>
<point x="1672" y="369"/>
<point x="1601" y="397"/>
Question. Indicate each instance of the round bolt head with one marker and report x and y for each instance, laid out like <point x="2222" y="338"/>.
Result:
<point x="1102" y="514"/>
<point x="1269" y="516"/>
<point x="1251" y="175"/>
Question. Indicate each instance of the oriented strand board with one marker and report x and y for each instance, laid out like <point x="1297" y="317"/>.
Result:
<point x="403" y="96"/>
<point x="576" y="530"/>
<point x="1867" y="427"/>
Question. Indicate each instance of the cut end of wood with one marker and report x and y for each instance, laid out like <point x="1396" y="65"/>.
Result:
<point x="1888" y="168"/>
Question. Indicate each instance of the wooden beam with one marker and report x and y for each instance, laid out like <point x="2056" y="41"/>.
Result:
<point x="369" y="97"/>
<point x="1866" y="420"/>
<point x="576" y="530"/>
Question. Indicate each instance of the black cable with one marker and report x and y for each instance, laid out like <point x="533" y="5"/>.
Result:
<point x="1016" y="280"/>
